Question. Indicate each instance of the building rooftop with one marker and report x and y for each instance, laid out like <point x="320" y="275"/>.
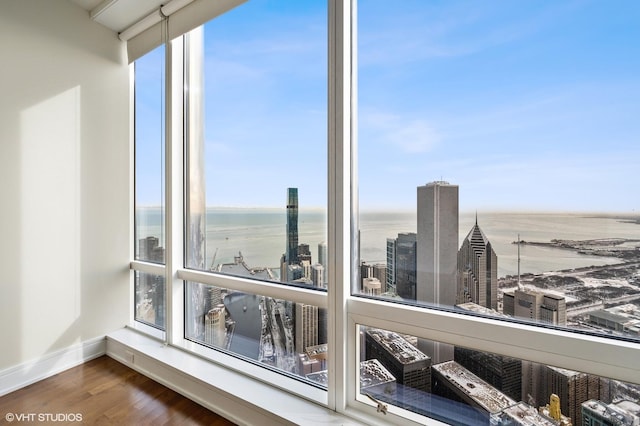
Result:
<point x="625" y="316"/>
<point x="474" y="307"/>
<point x="521" y="414"/>
<point x="565" y="372"/>
<point x="629" y="406"/>
<point x="474" y="387"/>
<point x="372" y="373"/>
<point x="397" y="345"/>
<point x="609" y="316"/>
<point x="624" y="413"/>
<point x="317" y="351"/>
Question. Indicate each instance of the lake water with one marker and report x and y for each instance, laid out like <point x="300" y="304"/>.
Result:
<point x="260" y="235"/>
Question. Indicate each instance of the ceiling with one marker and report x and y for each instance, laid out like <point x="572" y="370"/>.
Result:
<point x="118" y="14"/>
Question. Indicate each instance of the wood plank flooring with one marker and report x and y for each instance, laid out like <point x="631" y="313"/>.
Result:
<point x="104" y="392"/>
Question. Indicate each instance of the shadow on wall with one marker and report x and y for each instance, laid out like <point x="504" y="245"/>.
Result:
<point x="64" y="162"/>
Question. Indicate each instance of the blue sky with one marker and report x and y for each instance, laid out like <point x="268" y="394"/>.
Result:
<point x="528" y="105"/>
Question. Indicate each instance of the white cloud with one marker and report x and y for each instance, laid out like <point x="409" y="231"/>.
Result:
<point x="409" y="135"/>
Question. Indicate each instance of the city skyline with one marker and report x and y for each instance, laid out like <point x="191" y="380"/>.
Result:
<point x="438" y="212"/>
<point x="530" y="106"/>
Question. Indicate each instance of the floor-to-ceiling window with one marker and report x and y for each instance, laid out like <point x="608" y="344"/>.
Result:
<point x="473" y="254"/>
<point x="497" y="148"/>
<point x="149" y="213"/>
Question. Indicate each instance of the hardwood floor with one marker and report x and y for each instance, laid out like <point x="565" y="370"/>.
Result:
<point x="103" y="392"/>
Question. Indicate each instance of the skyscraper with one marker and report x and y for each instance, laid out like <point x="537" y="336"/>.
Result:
<point x="371" y="286"/>
<point x="214" y="326"/>
<point x="407" y="364"/>
<point x="317" y="276"/>
<point x="306" y="331"/>
<point x="303" y="252"/>
<point x="292" y="226"/>
<point x="502" y="372"/>
<point x="477" y="270"/>
<point x="380" y="272"/>
<point x="151" y="287"/>
<point x="537" y="306"/>
<point x="573" y="388"/>
<point x="437" y="248"/>
<point x="405" y="263"/>
<point x="391" y="265"/>
<point x="621" y="413"/>
<point x="322" y="259"/>
<point x="437" y="255"/>
<point x="149" y="249"/>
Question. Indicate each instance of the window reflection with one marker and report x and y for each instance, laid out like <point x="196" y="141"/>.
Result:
<point x="149" y="108"/>
<point x="291" y="337"/>
<point x="150" y="299"/>
<point x="475" y="387"/>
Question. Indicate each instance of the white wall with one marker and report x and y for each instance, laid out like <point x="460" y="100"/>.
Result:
<point x="64" y="179"/>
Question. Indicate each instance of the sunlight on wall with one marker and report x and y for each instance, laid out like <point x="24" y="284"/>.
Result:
<point x="50" y="211"/>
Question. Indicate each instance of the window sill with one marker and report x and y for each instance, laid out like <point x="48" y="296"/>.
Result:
<point x="239" y="398"/>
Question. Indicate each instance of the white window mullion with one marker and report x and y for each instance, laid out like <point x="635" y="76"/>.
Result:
<point x="132" y="191"/>
<point x="339" y="202"/>
<point x="616" y="359"/>
<point x="264" y="288"/>
<point x="149" y="268"/>
<point x="174" y="188"/>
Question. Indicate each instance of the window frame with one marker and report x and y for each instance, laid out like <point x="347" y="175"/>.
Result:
<point x="612" y="358"/>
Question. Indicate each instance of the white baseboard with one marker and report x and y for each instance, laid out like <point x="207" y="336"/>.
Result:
<point x="19" y="376"/>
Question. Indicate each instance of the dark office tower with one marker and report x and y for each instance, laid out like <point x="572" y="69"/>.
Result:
<point x="406" y="265"/>
<point x="404" y="361"/>
<point x="573" y="388"/>
<point x="292" y="226"/>
<point x="304" y="253"/>
<point x="391" y="265"/>
<point x="477" y="270"/>
<point x="322" y="326"/>
<point x="501" y="372"/>
<point x="452" y="381"/>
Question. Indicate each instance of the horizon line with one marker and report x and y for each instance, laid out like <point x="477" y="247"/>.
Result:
<point x="515" y="210"/>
